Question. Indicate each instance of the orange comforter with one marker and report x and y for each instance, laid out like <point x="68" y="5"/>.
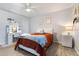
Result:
<point x="49" y="38"/>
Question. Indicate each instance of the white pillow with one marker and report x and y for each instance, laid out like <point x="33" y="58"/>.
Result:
<point x="25" y="34"/>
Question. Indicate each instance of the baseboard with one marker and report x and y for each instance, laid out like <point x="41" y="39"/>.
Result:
<point x="1" y="44"/>
<point x="76" y="51"/>
<point x="7" y="45"/>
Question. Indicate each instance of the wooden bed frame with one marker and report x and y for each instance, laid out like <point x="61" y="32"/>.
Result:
<point x="34" y="45"/>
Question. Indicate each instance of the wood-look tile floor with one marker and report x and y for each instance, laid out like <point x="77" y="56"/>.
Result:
<point x="55" y="50"/>
<point x="59" y="50"/>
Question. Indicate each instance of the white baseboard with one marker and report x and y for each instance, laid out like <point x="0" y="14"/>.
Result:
<point x="1" y="43"/>
<point x="76" y="51"/>
<point x="7" y="45"/>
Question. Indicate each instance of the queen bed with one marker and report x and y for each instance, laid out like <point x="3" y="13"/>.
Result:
<point x="36" y="43"/>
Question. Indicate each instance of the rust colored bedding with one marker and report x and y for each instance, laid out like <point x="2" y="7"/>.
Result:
<point x="49" y="38"/>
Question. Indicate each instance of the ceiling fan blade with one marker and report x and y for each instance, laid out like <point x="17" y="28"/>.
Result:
<point x="34" y="7"/>
<point x="30" y="5"/>
<point x="27" y="5"/>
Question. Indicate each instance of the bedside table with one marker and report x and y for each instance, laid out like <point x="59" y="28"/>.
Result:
<point x="67" y="40"/>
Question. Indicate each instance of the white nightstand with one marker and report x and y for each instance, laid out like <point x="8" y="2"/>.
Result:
<point x="67" y="40"/>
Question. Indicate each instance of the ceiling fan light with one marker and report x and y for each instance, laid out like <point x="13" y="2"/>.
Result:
<point x="28" y="10"/>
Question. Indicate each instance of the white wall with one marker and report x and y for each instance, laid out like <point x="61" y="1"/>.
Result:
<point x="21" y="20"/>
<point x="76" y="36"/>
<point x="59" y="19"/>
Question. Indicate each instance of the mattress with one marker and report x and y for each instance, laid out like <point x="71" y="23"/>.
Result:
<point x="29" y="50"/>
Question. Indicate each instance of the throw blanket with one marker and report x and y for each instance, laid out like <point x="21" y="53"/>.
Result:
<point x="40" y="39"/>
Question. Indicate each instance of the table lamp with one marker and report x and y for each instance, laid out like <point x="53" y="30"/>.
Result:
<point x="68" y="29"/>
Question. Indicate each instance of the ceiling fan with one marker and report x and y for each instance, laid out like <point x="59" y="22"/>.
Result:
<point x="29" y="7"/>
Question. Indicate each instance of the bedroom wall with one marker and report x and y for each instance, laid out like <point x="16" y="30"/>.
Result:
<point x="58" y="19"/>
<point x="21" y="20"/>
<point x="76" y="36"/>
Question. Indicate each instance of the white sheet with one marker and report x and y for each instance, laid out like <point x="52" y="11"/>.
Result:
<point x="26" y="35"/>
<point x="29" y="50"/>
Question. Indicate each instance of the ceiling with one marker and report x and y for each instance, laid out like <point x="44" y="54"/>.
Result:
<point x="39" y="8"/>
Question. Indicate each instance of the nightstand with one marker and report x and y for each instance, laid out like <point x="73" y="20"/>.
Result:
<point x="67" y="40"/>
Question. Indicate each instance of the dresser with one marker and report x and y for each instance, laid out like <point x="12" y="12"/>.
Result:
<point x="67" y="40"/>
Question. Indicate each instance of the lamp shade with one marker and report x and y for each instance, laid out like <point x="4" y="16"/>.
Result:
<point x="68" y="28"/>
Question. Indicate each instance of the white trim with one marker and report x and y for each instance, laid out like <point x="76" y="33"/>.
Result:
<point x="1" y="43"/>
<point x="7" y="45"/>
<point x="76" y="51"/>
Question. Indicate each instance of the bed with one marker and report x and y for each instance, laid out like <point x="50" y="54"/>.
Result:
<point x="37" y="47"/>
